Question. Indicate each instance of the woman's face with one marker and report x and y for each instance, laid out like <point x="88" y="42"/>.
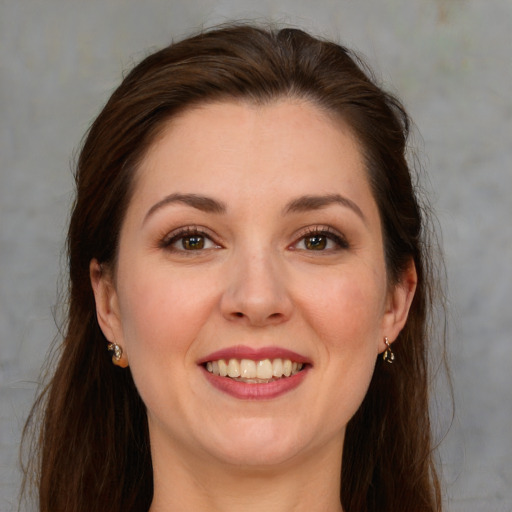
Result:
<point x="251" y="248"/>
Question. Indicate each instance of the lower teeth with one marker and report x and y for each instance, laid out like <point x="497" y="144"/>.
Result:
<point x="253" y="381"/>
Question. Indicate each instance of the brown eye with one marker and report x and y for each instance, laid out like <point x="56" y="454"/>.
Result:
<point x="192" y="243"/>
<point x="324" y="240"/>
<point x="315" y="242"/>
<point x="188" y="240"/>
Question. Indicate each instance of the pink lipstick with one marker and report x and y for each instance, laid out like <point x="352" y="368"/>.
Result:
<point x="255" y="374"/>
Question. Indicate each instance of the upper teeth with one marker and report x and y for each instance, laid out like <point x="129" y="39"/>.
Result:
<point x="249" y="369"/>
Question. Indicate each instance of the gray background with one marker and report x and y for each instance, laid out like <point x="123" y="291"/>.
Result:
<point x="450" y="62"/>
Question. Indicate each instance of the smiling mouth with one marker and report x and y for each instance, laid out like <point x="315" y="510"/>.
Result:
<point x="254" y="371"/>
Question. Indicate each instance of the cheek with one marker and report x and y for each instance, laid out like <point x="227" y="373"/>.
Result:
<point x="162" y="317"/>
<point x="349" y="319"/>
<point x="162" y="311"/>
<point x="347" y="311"/>
<point x="343" y="315"/>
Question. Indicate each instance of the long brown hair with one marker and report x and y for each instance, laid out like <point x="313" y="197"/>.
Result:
<point x="93" y="445"/>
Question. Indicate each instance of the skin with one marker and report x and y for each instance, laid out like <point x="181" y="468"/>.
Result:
<point x="257" y="282"/>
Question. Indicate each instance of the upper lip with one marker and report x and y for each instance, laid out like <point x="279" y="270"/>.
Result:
<point x="256" y="354"/>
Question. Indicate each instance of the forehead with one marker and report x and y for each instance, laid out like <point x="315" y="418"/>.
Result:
<point x="216" y="147"/>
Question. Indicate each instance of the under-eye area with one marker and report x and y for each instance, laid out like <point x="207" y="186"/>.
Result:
<point x="251" y="371"/>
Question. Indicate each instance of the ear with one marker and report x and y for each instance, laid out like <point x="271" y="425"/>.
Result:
<point x="107" y="307"/>
<point x="398" y="303"/>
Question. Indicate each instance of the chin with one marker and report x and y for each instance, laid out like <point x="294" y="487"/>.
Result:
<point x="258" y="443"/>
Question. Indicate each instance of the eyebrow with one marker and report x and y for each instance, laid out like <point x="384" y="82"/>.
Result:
<point x="300" y="204"/>
<point x="203" y="203"/>
<point x="307" y="203"/>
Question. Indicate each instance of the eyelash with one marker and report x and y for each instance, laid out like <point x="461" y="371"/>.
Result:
<point x="194" y="231"/>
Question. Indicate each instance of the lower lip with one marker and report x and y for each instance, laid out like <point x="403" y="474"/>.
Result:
<point x="252" y="391"/>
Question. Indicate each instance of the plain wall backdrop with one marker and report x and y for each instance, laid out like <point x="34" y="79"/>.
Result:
<point x="451" y="63"/>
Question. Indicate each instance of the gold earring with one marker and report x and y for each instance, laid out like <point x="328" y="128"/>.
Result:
<point x="388" y="355"/>
<point x="117" y="352"/>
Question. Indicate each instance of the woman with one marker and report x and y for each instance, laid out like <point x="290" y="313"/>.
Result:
<point x="247" y="256"/>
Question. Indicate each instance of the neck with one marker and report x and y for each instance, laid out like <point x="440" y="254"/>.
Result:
<point x="306" y="485"/>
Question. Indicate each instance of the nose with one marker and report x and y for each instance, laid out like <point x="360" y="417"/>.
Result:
<point x="256" y="292"/>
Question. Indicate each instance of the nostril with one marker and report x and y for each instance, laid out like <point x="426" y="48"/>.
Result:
<point x="239" y="315"/>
